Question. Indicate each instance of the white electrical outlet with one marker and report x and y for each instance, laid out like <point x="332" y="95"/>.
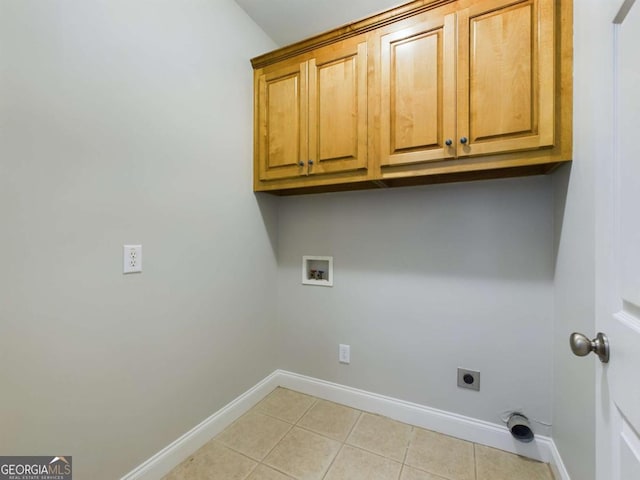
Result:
<point x="132" y="258"/>
<point x="344" y="355"/>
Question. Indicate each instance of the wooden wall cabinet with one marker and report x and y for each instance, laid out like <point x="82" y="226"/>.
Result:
<point x="428" y="92"/>
<point x="418" y="89"/>
<point x="282" y="124"/>
<point x="311" y="117"/>
<point x="505" y="76"/>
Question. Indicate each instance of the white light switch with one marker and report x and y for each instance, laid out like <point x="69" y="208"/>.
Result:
<point x="132" y="258"/>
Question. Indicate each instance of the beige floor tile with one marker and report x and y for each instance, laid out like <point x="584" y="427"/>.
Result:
<point x="381" y="435"/>
<point x="442" y="455"/>
<point x="285" y="404"/>
<point x="303" y="455"/>
<point x="409" y="473"/>
<point x="355" y="464"/>
<point x="254" y="434"/>
<point x="265" y="473"/>
<point x="374" y="449"/>
<point x="214" y="461"/>
<point x="330" y="419"/>
<point x="495" y="464"/>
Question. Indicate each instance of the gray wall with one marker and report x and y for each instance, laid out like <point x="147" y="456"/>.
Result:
<point x="126" y="122"/>
<point x="426" y="279"/>
<point x="574" y="303"/>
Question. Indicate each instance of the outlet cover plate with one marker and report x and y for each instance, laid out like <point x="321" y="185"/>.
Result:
<point x="344" y="354"/>
<point x="469" y="379"/>
<point x="132" y="259"/>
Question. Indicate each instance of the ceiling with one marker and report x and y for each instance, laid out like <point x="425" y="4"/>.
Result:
<point x="287" y="21"/>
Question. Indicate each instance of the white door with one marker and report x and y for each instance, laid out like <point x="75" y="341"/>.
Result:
<point x="618" y="283"/>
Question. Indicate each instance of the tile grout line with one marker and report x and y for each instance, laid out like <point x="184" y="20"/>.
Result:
<point x="353" y="427"/>
<point x="256" y="409"/>
<point x="252" y="470"/>
<point x="369" y="452"/>
<point x="291" y="425"/>
<point x="344" y="442"/>
<point x="277" y="470"/>
<point x="475" y="462"/>
<point x="401" y="471"/>
<point x="365" y="449"/>
<point x="296" y="425"/>
<point x="406" y="452"/>
<point x="332" y="462"/>
<point x="215" y="439"/>
<point x="277" y="443"/>
<point x="313" y="404"/>
<point x="274" y="417"/>
<point x="311" y="431"/>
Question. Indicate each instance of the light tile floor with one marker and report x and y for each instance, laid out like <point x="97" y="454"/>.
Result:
<point x="289" y="435"/>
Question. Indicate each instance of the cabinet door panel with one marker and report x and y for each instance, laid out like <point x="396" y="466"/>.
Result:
<point x="418" y="92"/>
<point x="283" y="122"/>
<point x="338" y="110"/>
<point x="501" y="72"/>
<point x="506" y="76"/>
<point x="415" y="92"/>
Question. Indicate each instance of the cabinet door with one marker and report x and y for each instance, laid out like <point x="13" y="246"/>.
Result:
<point x="282" y="122"/>
<point x="418" y="106"/>
<point x="505" y="76"/>
<point x="338" y="108"/>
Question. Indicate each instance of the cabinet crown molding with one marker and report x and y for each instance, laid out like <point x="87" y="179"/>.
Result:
<point x="347" y="31"/>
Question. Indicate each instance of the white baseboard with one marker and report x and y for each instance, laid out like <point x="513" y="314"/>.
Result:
<point x="498" y="436"/>
<point x="172" y="455"/>
<point x="557" y="465"/>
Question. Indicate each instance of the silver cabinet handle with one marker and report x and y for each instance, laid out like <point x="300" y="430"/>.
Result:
<point x="581" y="345"/>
